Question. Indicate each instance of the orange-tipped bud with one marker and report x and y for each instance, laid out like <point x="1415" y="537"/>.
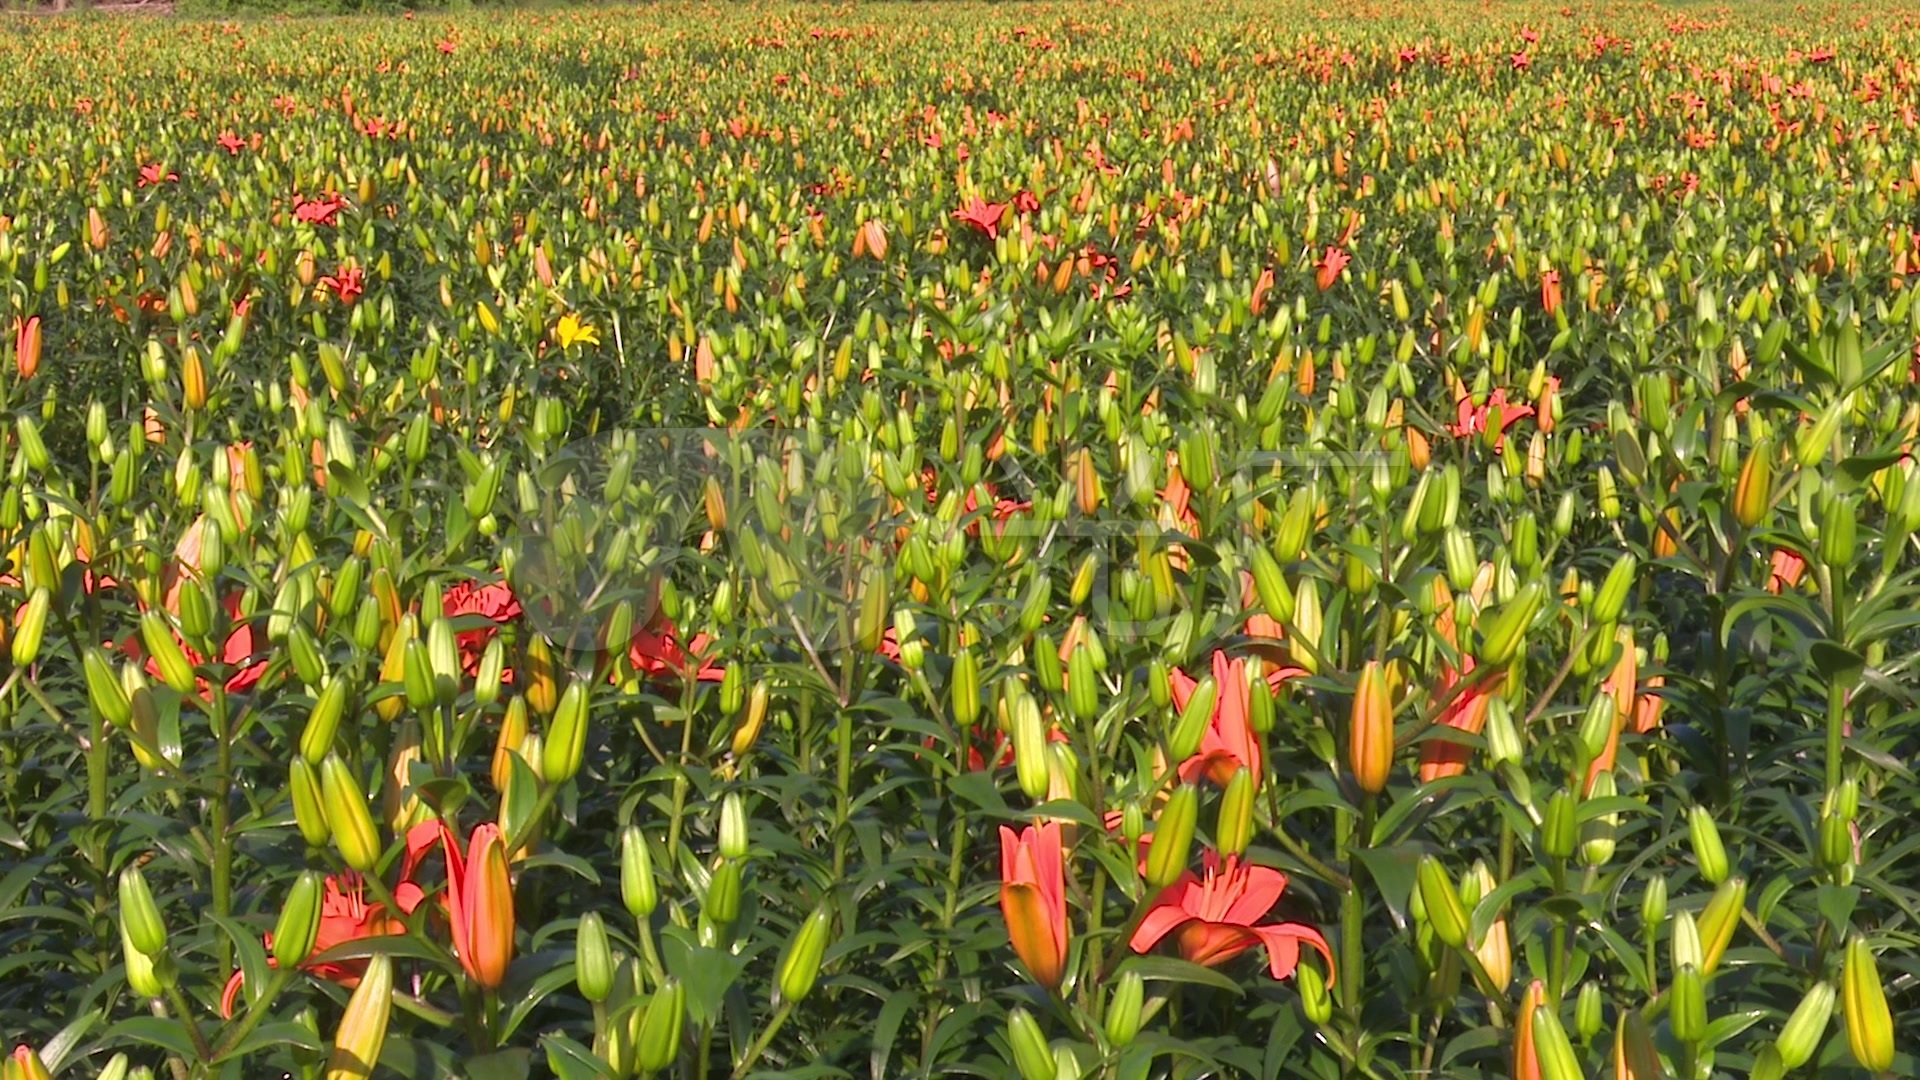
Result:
<point x="480" y="905"/>
<point x="1370" y="735"/>
<point x="1526" y="1064"/>
<point x="26" y="347"/>
<point x="1033" y="899"/>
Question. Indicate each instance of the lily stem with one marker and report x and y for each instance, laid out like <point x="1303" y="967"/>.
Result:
<point x="766" y="1039"/>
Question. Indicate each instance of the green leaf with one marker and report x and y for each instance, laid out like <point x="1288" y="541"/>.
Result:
<point x="1392" y="870"/>
<point x="1174" y="969"/>
<point x="886" y="1028"/>
<point x="513" y="1064"/>
<point x="168" y="1035"/>
<point x="705" y="973"/>
<point x="571" y="1061"/>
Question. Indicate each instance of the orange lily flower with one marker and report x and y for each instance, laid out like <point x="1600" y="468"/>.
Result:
<point x="345" y="916"/>
<point x="1473" y="421"/>
<point x="1033" y="898"/>
<point x="1213" y="917"/>
<point x="1230" y="743"/>
<point x="1467" y="712"/>
<point x="1787" y="568"/>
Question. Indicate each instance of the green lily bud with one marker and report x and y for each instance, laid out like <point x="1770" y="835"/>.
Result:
<point x="722" y="902"/>
<point x="1801" y="1034"/>
<point x="1124" y="1009"/>
<point x="659" y="1042"/>
<point x="966" y="688"/>
<point x="1586" y="1012"/>
<point x="1029" y="746"/>
<point x="733" y="826"/>
<point x="1687" y="1005"/>
<point x="1559" y="831"/>
<point x="1173" y="837"/>
<point x="162" y="647"/>
<point x="1442" y="901"/>
<point x="1032" y="1055"/>
<point x="1553" y="1051"/>
<point x="1653" y="903"/>
<point x="1047" y="669"/>
<point x="1233" y="829"/>
<point x="1503" y="740"/>
<point x="149" y="975"/>
<point x="1687" y="949"/>
<point x="1191" y="726"/>
<point x="1525" y="545"/>
<point x="140" y="914"/>
<point x="1596" y="725"/>
<point x="1597" y="834"/>
<point x="1708" y="853"/>
<point x="1719" y="919"/>
<point x="104" y="690"/>
<point x="493" y="667"/>
<point x="299" y="923"/>
<point x="802" y="963"/>
<point x="443" y="661"/>
<point x="593" y="967"/>
<point x="1271" y="585"/>
<point x="347" y="815"/>
<point x="1611" y="599"/>
<point x="1502" y="631"/>
<point x="566" y="745"/>
<point x="1315" y="1001"/>
<point x="1838" y="531"/>
<point x="1863" y="1002"/>
<point x="417" y="675"/>
<point x="316" y="739"/>
<point x="638" y="890"/>
<point x="1836" y="844"/>
<point x="309" y="812"/>
<point x="1083" y="686"/>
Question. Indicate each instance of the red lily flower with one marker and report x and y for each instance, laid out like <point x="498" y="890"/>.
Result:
<point x="446" y="48"/>
<point x="1330" y="266"/>
<point x="1230" y="743"/>
<point x="154" y="174"/>
<point x="325" y="211"/>
<point x="1026" y="202"/>
<point x="1033" y="898"/>
<point x="242" y="642"/>
<point x="982" y="215"/>
<point x="1521" y="61"/>
<point x="493" y="602"/>
<point x="656" y="653"/>
<point x="347" y="283"/>
<point x="1214" y="917"/>
<point x="345" y="916"/>
<point x="1473" y="420"/>
<point x="231" y="143"/>
<point x="1466" y="712"/>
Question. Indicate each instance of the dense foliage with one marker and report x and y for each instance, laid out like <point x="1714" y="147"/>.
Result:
<point x="1114" y="540"/>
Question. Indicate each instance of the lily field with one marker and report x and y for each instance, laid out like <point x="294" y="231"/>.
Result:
<point x="1048" y="541"/>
